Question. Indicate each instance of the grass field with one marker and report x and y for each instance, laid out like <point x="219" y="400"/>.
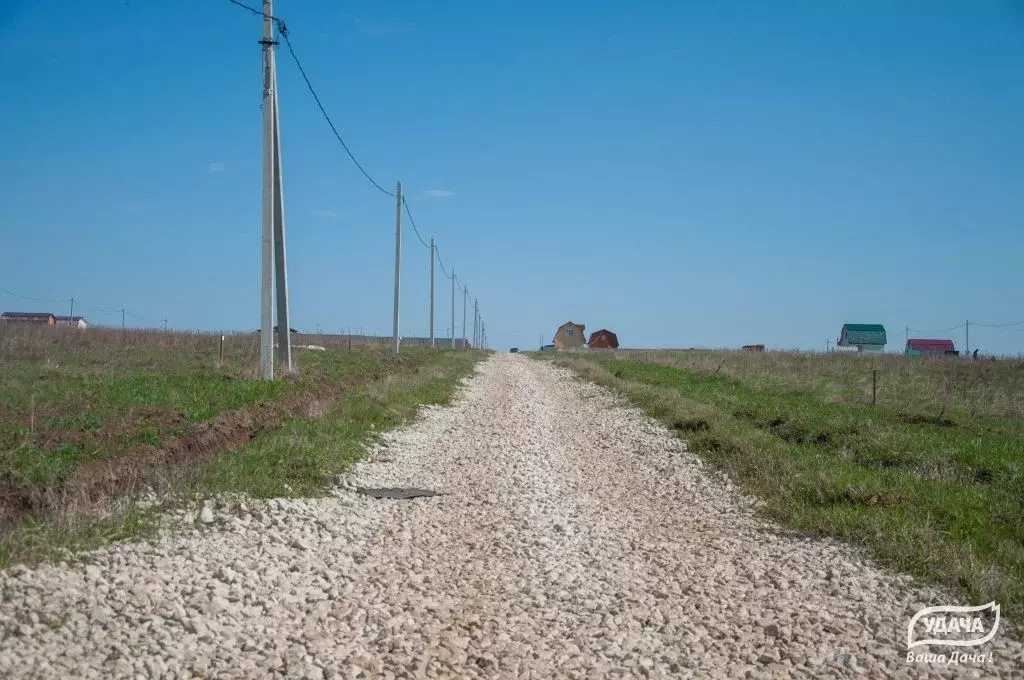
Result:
<point x="931" y="477"/>
<point x="89" y="417"/>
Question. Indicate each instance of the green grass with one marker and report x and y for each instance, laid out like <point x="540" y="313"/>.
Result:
<point x="70" y="399"/>
<point x="293" y="460"/>
<point x="54" y="538"/>
<point x="66" y="394"/>
<point x="942" y="499"/>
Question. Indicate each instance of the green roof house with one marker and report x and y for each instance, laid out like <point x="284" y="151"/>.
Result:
<point x="866" y="337"/>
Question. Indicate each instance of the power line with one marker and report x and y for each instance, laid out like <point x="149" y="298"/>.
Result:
<point x="309" y="85"/>
<point x="283" y="30"/>
<point x="443" y="271"/>
<point x="413" y="222"/>
<point x="101" y="310"/>
<point x="257" y="12"/>
<point x="32" y="299"/>
<point x="944" y="330"/>
<point x="997" y="325"/>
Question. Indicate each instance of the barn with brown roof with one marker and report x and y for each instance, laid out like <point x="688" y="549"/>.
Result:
<point x="603" y="338"/>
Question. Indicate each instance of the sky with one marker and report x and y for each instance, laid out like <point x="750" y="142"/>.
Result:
<point x="684" y="174"/>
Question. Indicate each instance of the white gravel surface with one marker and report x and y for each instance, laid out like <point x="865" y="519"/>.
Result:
<point x="575" y="538"/>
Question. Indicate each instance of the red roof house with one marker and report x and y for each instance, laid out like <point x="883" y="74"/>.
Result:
<point x="603" y="338"/>
<point x="925" y="346"/>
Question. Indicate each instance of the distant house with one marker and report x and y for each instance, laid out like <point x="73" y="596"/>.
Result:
<point x="569" y="335"/>
<point x="917" y="346"/>
<point x="753" y="348"/>
<point x="603" y="338"/>
<point x="866" y="337"/>
<point x="76" y="321"/>
<point x="30" y="317"/>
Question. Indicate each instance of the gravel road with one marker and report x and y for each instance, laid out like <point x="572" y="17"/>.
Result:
<point x="574" y="538"/>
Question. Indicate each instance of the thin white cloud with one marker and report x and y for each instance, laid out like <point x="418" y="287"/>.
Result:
<point x="328" y="213"/>
<point x="438" y="193"/>
<point x="216" y="167"/>
<point x="378" y="30"/>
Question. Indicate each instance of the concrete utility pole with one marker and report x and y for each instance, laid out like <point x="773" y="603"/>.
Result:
<point x="465" y="294"/>
<point x="906" y="336"/>
<point x="165" y="324"/>
<point x="284" y="334"/>
<point x="398" y="260"/>
<point x="431" y="292"/>
<point x="967" y="337"/>
<point x="476" y="323"/>
<point x="273" y="253"/>
<point x="453" y="307"/>
<point x="122" y="319"/>
<point x="72" y="311"/>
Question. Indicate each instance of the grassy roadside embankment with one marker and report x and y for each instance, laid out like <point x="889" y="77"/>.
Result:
<point x="90" y="419"/>
<point x="931" y="478"/>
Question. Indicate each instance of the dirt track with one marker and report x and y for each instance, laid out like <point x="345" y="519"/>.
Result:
<point x="575" y="538"/>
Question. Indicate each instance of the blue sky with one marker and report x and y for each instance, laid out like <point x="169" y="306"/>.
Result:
<point x="686" y="174"/>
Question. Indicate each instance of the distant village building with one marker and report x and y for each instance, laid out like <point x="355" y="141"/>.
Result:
<point x="753" y="348"/>
<point x="866" y="337"/>
<point x="603" y="338"/>
<point x="570" y="335"/>
<point x="918" y="346"/>
<point x="29" y="317"/>
<point x="76" y="321"/>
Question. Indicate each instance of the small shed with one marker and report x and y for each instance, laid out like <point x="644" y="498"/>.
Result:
<point x="918" y="346"/>
<point x="753" y="348"/>
<point x="603" y="338"/>
<point x="866" y="337"/>
<point x="76" y="321"/>
<point x="29" y="317"/>
<point x="569" y="335"/>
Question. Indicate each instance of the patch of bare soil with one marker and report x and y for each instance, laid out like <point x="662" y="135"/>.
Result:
<point x="158" y="467"/>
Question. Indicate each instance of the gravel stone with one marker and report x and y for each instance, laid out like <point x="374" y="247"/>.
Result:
<point x="574" y="537"/>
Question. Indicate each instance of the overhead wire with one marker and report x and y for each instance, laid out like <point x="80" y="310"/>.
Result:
<point x="33" y="299"/>
<point x="413" y="222"/>
<point x="437" y="251"/>
<point x="944" y="330"/>
<point x="256" y="11"/>
<point x="998" y="325"/>
<point x="283" y="29"/>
